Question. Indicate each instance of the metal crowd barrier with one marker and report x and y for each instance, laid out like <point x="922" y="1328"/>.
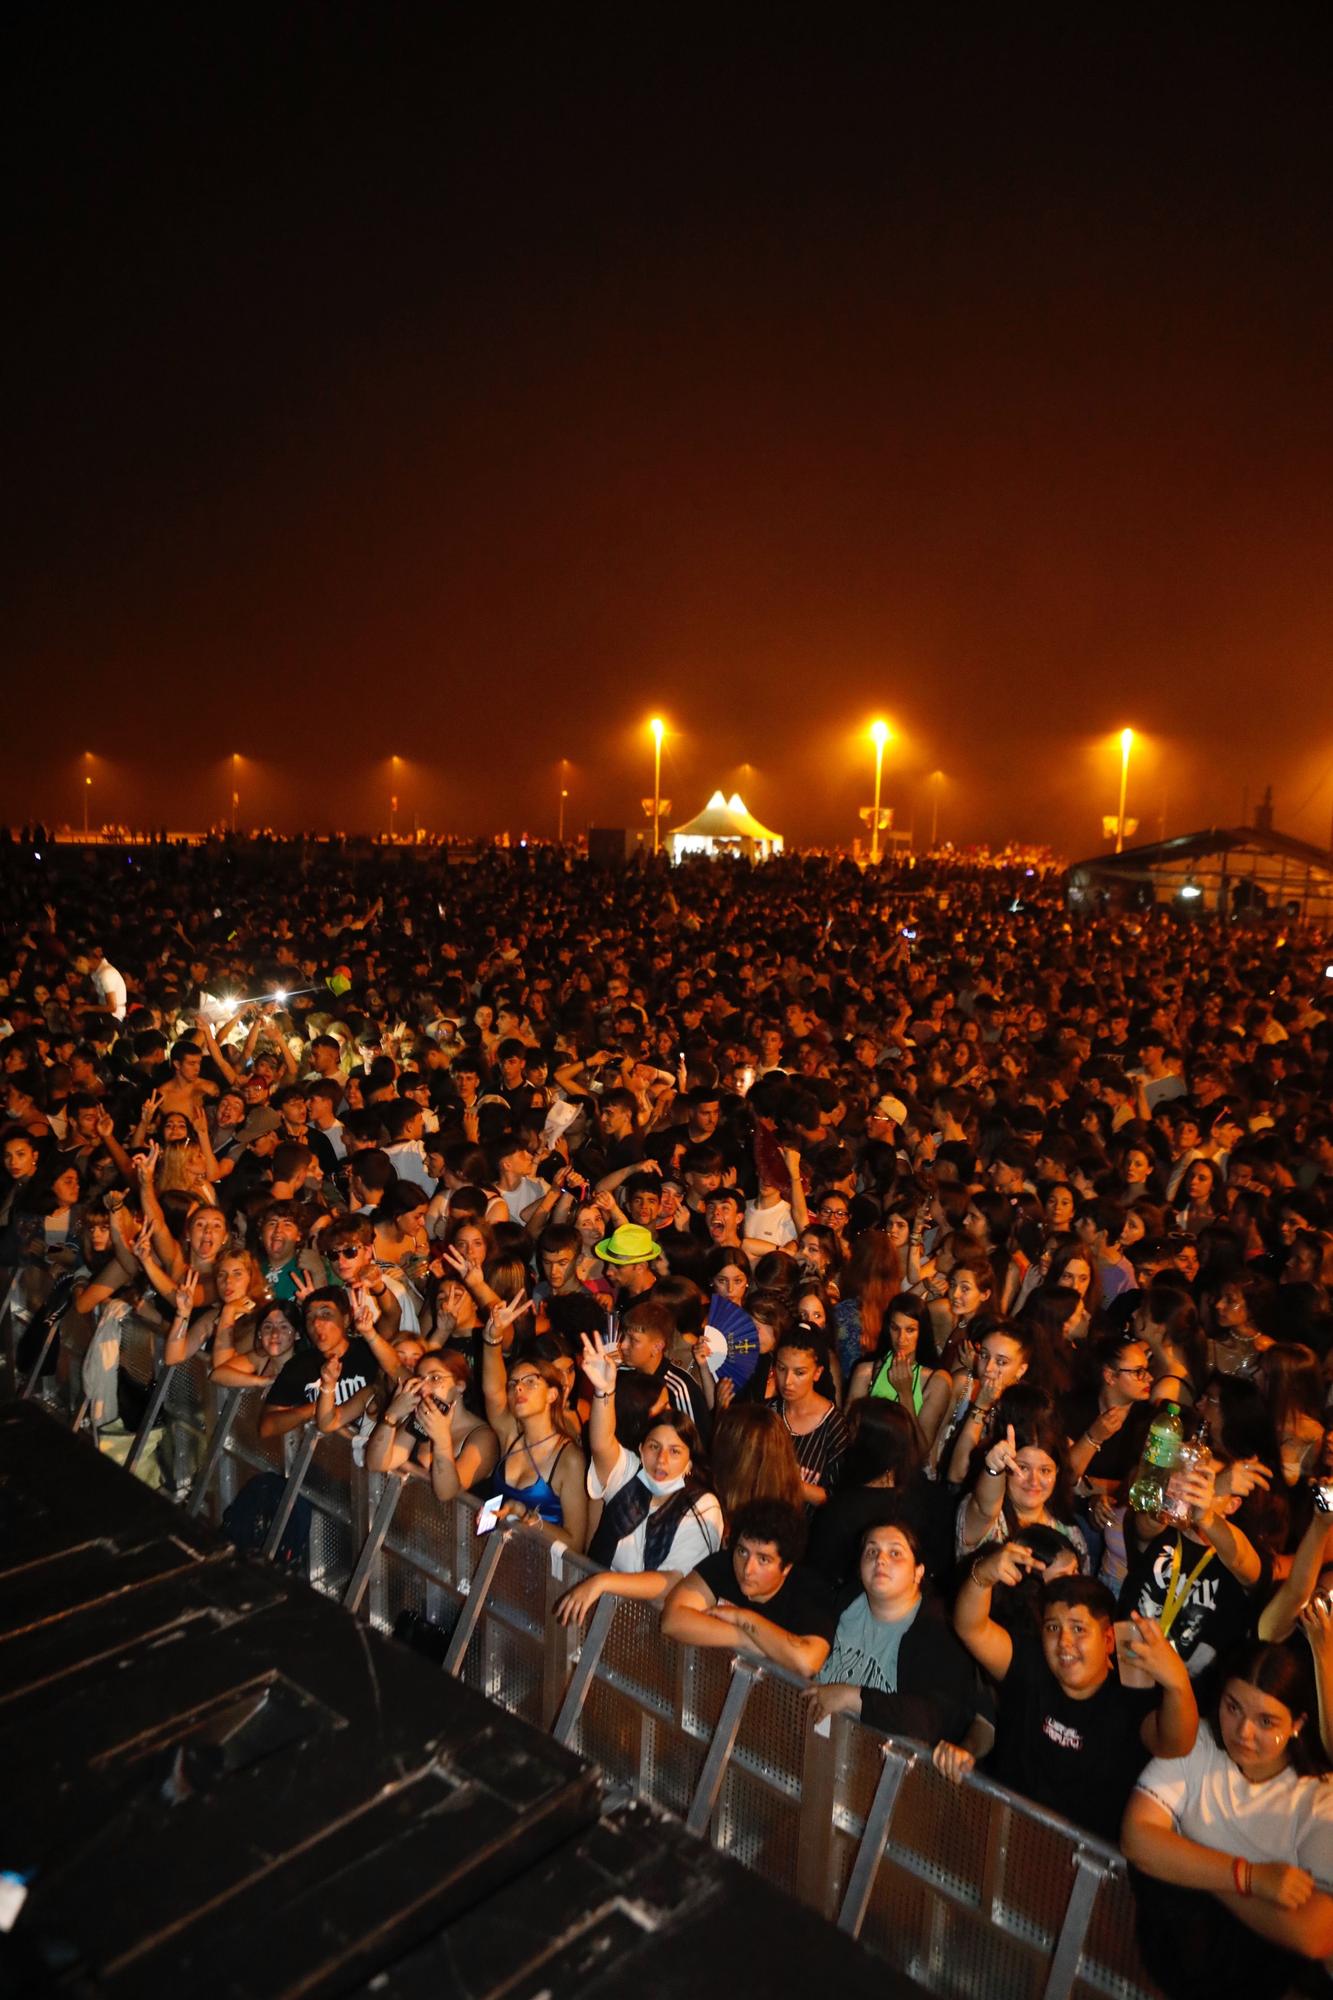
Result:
<point x="969" y="1890"/>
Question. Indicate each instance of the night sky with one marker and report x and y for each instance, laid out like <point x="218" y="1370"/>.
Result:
<point x="399" y="380"/>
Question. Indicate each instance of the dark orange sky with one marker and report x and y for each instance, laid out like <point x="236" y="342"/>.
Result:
<point x="423" y="388"/>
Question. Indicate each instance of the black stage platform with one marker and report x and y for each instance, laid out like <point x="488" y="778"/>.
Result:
<point x="216" y="1782"/>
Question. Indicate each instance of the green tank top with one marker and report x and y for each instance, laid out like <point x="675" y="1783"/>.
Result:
<point x="881" y="1386"/>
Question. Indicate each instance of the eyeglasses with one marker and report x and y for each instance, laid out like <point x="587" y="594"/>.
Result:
<point x="525" y="1382"/>
<point x="347" y="1250"/>
<point x="1139" y="1374"/>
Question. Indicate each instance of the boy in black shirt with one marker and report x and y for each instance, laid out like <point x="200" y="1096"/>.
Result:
<point x="337" y="1379"/>
<point x="753" y="1597"/>
<point x="1071" y="1737"/>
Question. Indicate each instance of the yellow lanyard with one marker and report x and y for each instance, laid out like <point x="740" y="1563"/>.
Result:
<point x="1176" y="1591"/>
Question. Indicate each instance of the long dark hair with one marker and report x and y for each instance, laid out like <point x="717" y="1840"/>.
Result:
<point x="884" y="1439"/>
<point x="911" y="1307"/>
<point x="1037" y="1425"/>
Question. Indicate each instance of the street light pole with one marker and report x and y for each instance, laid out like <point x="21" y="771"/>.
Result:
<point x="1126" y="745"/>
<point x="879" y="736"/>
<point x="936" y="781"/>
<point x="87" y="788"/>
<point x="235" y="787"/>
<point x="393" y="798"/>
<point x="658" y="729"/>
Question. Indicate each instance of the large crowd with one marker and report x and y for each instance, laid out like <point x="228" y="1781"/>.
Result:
<point x="835" y="1258"/>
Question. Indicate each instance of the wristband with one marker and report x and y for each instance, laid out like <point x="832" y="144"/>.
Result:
<point x="1242" y="1874"/>
<point x="498" y="1341"/>
<point x="604" y="1395"/>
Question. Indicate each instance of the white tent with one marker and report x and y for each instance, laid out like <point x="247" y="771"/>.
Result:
<point x="725" y="826"/>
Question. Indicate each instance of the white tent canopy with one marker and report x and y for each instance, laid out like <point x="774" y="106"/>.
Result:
<point x="725" y="826"/>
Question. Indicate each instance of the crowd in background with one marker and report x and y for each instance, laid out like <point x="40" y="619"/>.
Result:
<point x="824" y="1253"/>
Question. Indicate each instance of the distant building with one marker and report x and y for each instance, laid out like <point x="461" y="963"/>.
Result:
<point x="1239" y="872"/>
<point x="725" y="826"/>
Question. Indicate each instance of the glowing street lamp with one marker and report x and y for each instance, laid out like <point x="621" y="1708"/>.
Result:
<point x="87" y="788"/>
<point x="564" y="794"/>
<point x="393" y="796"/>
<point x="235" y="786"/>
<point x="879" y="736"/>
<point x="1126" y="745"/>
<point x="658" y="728"/>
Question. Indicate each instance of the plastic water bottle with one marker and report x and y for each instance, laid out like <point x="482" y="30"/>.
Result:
<point x="1175" y="1507"/>
<point x="1161" y="1449"/>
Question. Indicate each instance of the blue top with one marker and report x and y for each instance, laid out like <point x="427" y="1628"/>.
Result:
<point x="541" y="1495"/>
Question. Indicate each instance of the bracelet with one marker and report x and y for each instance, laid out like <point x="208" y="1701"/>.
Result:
<point x="972" y="1576"/>
<point x="604" y="1395"/>
<point x="1242" y="1874"/>
<point x="498" y="1341"/>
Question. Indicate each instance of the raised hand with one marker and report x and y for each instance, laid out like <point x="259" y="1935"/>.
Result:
<point x="1009" y="1564"/>
<point x="303" y="1285"/>
<point x="434" y="1419"/>
<point x="331" y="1373"/>
<point x="1108" y="1422"/>
<point x="505" y="1315"/>
<point x="1245" y="1475"/>
<point x="1003" y="1455"/>
<point x="1152" y="1652"/>
<point x="364" y="1310"/>
<point x="187" y="1293"/>
<point x="600" y="1360"/>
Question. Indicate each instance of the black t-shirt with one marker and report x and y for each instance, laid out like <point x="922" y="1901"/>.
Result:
<point x="803" y="1606"/>
<point x="1079" y="1758"/>
<point x="1218" y="1611"/>
<point x="1118" y="1457"/>
<point x="299" y="1381"/>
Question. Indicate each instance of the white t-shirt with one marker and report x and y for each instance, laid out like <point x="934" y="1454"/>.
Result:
<point x="112" y="989"/>
<point x="699" y="1534"/>
<point x="1287" y="1818"/>
<point x="519" y="1199"/>
<point x="409" y="1163"/>
<point x="770" y="1225"/>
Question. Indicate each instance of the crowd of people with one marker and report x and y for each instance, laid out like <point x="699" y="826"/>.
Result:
<point x="823" y="1253"/>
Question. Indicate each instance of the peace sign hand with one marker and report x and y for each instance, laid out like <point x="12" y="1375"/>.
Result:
<point x="600" y="1360"/>
<point x="364" y="1312"/>
<point x="187" y="1293"/>
<point x="302" y="1285"/>
<point x="505" y="1315"/>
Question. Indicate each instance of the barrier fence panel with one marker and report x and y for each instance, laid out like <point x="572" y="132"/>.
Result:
<point x="966" y="1889"/>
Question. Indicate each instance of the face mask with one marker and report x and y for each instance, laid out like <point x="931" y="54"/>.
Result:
<point x="661" y="1487"/>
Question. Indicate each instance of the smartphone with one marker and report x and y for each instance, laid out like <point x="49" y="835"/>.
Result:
<point x="488" y="1514"/>
<point x="1322" y="1490"/>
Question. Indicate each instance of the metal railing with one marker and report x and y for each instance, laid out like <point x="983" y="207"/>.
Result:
<point x="968" y="1889"/>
